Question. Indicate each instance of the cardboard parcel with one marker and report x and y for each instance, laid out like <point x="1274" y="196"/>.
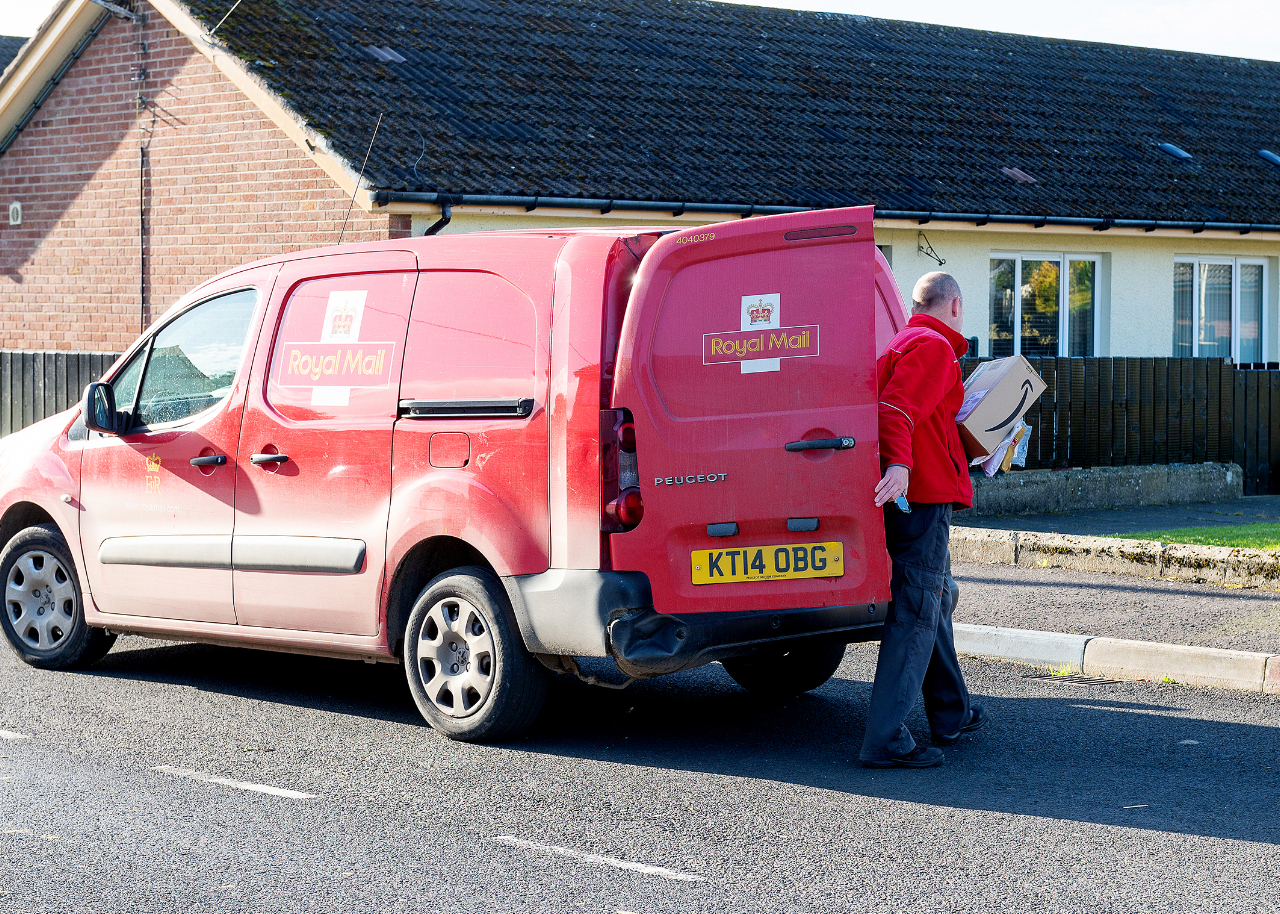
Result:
<point x="996" y="396"/>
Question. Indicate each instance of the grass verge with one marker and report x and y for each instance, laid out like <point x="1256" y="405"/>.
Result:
<point x="1244" y="536"/>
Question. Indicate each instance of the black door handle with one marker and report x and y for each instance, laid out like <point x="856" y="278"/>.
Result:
<point x="216" y="460"/>
<point x="259" y="459"/>
<point x="822" y="444"/>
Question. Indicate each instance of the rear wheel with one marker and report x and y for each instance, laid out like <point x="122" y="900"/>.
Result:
<point x="466" y="663"/>
<point x="786" y="673"/>
<point x="43" y="615"/>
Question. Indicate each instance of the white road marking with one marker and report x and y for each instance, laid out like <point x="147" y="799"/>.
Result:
<point x="227" y="782"/>
<point x="1139" y="806"/>
<point x="600" y="859"/>
<point x="1188" y="742"/>
<point x="9" y="734"/>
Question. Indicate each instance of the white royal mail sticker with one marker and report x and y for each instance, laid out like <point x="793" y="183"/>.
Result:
<point x="342" y="318"/>
<point x="761" y="312"/>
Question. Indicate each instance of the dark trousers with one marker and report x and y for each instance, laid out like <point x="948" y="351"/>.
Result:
<point x="917" y="650"/>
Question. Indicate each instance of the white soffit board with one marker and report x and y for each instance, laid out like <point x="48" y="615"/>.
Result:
<point x="38" y="61"/>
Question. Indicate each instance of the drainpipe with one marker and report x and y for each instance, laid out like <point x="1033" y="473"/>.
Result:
<point x="446" y="214"/>
<point x="142" y="239"/>
<point x="447" y="202"/>
<point x="140" y="104"/>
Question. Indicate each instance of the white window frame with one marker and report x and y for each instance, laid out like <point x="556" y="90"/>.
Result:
<point x="1064" y="260"/>
<point x="1235" y="263"/>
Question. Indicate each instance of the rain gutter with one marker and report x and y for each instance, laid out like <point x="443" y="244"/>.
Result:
<point x="386" y="197"/>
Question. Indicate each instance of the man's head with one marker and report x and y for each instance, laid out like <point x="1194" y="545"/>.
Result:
<point x="937" y="294"/>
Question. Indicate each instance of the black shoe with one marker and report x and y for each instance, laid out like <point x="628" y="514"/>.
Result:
<point x="978" y="718"/>
<point x="919" y="757"/>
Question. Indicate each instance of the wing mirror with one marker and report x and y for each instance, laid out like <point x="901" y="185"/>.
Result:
<point x="98" y="409"/>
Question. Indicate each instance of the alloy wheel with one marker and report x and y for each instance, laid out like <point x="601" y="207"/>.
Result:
<point x="40" y="600"/>
<point x="455" y="657"/>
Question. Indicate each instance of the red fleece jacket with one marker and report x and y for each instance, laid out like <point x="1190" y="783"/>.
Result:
<point x="921" y="389"/>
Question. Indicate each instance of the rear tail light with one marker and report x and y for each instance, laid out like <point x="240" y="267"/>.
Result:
<point x="627" y="510"/>
<point x="622" y="506"/>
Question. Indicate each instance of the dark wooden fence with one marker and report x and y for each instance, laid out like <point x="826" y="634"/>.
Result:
<point x="1117" y="411"/>
<point x="34" y="385"/>
<point x="1256" y="430"/>
<point x="1094" y="412"/>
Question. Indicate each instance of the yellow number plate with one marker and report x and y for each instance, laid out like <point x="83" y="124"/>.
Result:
<point x="768" y="563"/>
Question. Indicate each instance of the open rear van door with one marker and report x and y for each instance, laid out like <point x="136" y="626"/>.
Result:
<point x="747" y="360"/>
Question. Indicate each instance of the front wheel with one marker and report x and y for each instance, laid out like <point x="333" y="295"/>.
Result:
<point x="43" y="616"/>
<point x="786" y="673"/>
<point x="466" y="663"/>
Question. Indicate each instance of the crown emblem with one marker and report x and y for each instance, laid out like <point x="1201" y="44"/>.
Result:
<point x="761" y="313"/>
<point x="341" y="324"/>
<point x="153" y="463"/>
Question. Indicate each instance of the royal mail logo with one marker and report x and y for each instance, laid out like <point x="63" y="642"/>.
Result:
<point x="336" y="365"/>
<point x="745" y="345"/>
<point x="760" y="312"/>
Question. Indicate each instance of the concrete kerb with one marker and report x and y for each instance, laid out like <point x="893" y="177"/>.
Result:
<point x="1023" y="645"/>
<point x="1120" y="659"/>
<point x="1143" y="558"/>
<point x="1116" y="658"/>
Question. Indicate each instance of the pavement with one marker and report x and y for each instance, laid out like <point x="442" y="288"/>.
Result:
<point x="1134" y="521"/>
<point x="683" y="794"/>
<point x="1217" y="623"/>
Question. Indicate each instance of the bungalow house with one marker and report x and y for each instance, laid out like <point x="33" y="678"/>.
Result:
<point x="1092" y="199"/>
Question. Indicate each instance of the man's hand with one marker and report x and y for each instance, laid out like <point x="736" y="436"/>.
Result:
<point x="892" y="485"/>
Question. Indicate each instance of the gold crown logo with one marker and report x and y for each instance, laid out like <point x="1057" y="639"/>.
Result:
<point x="342" y="322"/>
<point x="761" y="313"/>
<point x="153" y="464"/>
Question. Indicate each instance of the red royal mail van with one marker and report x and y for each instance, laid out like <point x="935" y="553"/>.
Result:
<point x="482" y="456"/>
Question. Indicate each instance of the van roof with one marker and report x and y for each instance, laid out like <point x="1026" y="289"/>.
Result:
<point x="424" y="244"/>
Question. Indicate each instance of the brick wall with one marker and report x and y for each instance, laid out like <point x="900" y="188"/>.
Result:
<point x="223" y="186"/>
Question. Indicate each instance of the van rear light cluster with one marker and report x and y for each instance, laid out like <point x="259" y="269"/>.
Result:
<point x="627" y="439"/>
<point x="622" y="506"/>
<point x="627" y="510"/>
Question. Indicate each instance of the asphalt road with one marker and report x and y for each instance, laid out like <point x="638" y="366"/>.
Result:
<point x="1125" y="797"/>
<point x="1119" y="606"/>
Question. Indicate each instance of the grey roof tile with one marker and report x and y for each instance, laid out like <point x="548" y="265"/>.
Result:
<point x="682" y="100"/>
<point x="10" y="45"/>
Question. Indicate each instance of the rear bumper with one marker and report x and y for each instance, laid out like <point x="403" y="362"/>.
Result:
<point x="644" y="642"/>
<point x="587" y="613"/>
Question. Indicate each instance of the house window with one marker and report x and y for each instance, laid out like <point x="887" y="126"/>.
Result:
<point x="1219" y="308"/>
<point x="1036" y="311"/>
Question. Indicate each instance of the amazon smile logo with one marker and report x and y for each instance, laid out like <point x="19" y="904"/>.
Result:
<point x="1017" y="410"/>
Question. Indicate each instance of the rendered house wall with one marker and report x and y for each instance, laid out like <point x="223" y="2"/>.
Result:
<point x="1135" y="285"/>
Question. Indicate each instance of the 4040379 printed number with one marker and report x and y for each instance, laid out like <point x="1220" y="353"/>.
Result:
<point x="767" y="563"/>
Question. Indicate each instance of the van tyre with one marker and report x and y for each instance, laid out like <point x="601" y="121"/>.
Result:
<point x="465" y="660"/>
<point x="43" y="616"/>
<point x="787" y="672"/>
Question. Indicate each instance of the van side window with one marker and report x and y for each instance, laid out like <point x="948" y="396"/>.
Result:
<point x="193" y="360"/>
<point x="472" y="336"/>
<point x="338" y="350"/>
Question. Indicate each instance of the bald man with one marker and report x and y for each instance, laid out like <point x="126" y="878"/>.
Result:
<point x="921" y="389"/>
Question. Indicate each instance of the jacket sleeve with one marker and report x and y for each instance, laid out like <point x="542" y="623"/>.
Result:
<point x="919" y="380"/>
